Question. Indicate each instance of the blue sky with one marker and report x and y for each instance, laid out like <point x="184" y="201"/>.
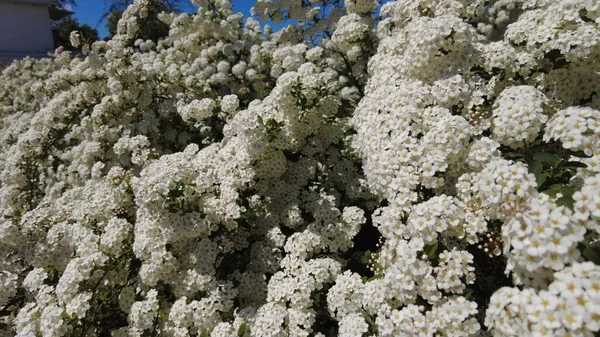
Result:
<point x="90" y="12"/>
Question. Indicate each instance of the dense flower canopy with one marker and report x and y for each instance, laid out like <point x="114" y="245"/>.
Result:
<point x="417" y="168"/>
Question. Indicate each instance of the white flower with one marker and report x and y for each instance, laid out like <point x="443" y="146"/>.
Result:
<point x="230" y="103"/>
<point x="353" y="325"/>
<point x="8" y="286"/>
<point x="74" y="39"/>
<point x="51" y="322"/>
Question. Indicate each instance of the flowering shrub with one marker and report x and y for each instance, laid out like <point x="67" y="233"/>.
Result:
<point x="421" y="168"/>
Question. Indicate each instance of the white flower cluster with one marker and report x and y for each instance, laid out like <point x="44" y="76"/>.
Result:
<point x="360" y="6"/>
<point x="543" y="236"/>
<point x="569" y="27"/>
<point x="518" y="116"/>
<point x="8" y="281"/>
<point x="501" y="190"/>
<point x="439" y="216"/>
<point x="487" y="112"/>
<point x="577" y="128"/>
<point x="502" y="56"/>
<point x="446" y="320"/>
<point x="309" y="14"/>
<point x="351" y="29"/>
<point x="587" y="204"/>
<point x="143" y="314"/>
<point x="138" y="146"/>
<point x="570" y="305"/>
<point x="197" y="111"/>
<point x="230" y="103"/>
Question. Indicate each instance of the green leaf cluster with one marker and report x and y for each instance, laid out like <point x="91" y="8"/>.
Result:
<point x="176" y="199"/>
<point x="553" y="176"/>
<point x="272" y="126"/>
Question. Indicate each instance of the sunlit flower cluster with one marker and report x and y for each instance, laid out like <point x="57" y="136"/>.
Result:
<point x="568" y="306"/>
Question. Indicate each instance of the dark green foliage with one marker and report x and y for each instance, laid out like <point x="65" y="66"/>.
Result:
<point x="243" y="330"/>
<point x="61" y="30"/>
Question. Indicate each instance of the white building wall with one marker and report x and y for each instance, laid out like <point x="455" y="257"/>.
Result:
<point x="24" y="29"/>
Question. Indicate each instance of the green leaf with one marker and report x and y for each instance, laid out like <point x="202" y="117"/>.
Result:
<point x="204" y="333"/>
<point x="536" y="169"/>
<point x="430" y="250"/>
<point x="584" y="15"/>
<point x="542" y="179"/>
<point x="271" y="123"/>
<point x="366" y="258"/>
<point x="375" y="277"/>
<point x="536" y="143"/>
<point x="591" y="255"/>
<point x="565" y="201"/>
<point x="468" y="294"/>
<point x="553" y="190"/>
<point x="548" y="158"/>
<point x="366" y="279"/>
<point x="242" y="330"/>
<point x="373" y="330"/>
<point x="516" y="156"/>
<point x="260" y="120"/>
<point x="567" y="190"/>
<point x="579" y="154"/>
<point x="574" y="164"/>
